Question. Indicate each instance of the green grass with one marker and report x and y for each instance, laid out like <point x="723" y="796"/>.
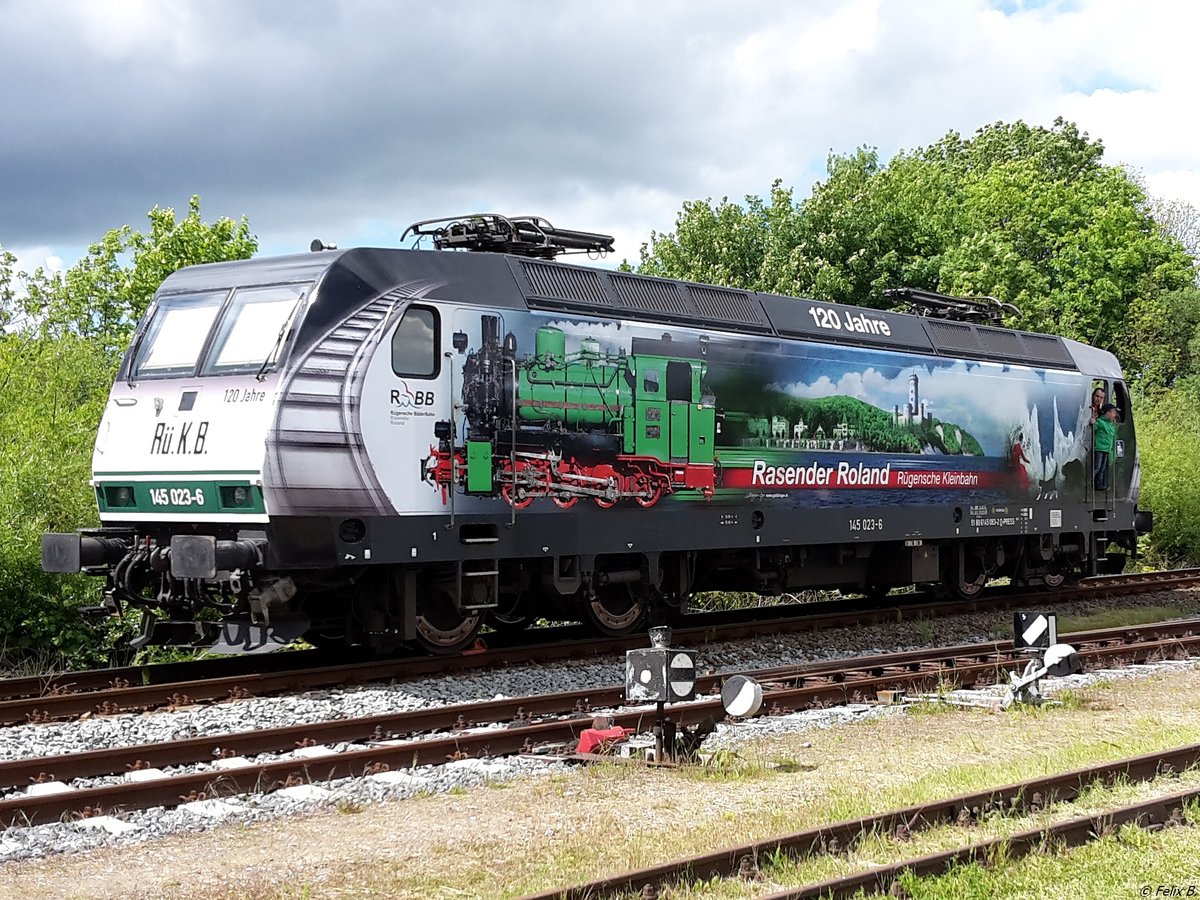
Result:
<point x="972" y="731"/>
<point x="1117" y="866"/>
<point x="731" y="766"/>
<point x="848" y="801"/>
<point x="1131" y="863"/>
<point x="931" y="707"/>
<point x="926" y="628"/>
<point x="1119" y="618"/>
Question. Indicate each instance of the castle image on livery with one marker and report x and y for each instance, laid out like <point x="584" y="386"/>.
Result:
<point x="784" y="419"/>
<point x="915" y="411"/>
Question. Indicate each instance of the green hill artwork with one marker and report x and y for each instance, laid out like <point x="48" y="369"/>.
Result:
<point x="852" y="420"/>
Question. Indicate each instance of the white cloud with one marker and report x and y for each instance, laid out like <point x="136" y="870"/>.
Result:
<point x="351" y="121"/>
<point x="30" y="259"/>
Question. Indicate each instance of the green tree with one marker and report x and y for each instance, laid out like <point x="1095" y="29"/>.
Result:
<point x="1027" y="214"/>
<point x="1163" y="338"/>
<point x="7" y="292"/>
<point x="726" y="243"/>
<point x="65" y="334"/>
<point x="51" y="396"/>
<point x="104" y="294"/>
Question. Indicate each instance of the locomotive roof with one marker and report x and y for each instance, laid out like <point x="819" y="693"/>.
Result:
<point x="348" y="278"/>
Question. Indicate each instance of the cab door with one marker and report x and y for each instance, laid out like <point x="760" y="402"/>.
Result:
<point x="651" y="422"/>
<point x="1124" y="445"/>
<point x="1121" y="460"/>
<point x="679" y="397"/>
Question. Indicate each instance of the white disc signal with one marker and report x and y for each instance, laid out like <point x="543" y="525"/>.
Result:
<point x="681" y="675"/>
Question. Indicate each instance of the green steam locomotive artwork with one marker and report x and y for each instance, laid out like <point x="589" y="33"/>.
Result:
<point x="588" y="424"/>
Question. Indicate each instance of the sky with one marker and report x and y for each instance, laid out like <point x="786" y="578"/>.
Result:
<point x="348" y="121"/>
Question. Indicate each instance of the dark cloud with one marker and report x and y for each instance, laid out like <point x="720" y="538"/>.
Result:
<point x="333" y="111"/>
<point x="346" y="119"/>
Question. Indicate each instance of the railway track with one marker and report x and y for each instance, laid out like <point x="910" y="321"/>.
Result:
<point x="110" y="691"/>
<point x="549" y="723"/>
<point x="1017" y="799"/>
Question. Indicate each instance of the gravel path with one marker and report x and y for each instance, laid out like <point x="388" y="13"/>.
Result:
<point x="129" y="729"/>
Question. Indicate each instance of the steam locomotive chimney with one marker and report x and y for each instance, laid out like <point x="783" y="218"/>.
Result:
<point x="491" y="332"/>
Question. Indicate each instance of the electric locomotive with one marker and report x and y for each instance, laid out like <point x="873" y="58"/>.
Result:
<point x="383" y="446"/>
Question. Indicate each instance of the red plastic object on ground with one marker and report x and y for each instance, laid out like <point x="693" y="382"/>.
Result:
<point x="591" y="738"/>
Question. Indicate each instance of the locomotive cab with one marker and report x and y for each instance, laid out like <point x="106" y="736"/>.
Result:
<point x="179" y="457"/>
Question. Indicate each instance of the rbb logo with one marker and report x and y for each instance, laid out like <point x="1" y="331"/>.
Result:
<point x="403" y="397"/>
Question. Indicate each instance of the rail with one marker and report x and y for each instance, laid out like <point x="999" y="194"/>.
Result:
<point x="496" y="728"/>
<point x="108" y="691"/>
<point x="1021" y="798"/>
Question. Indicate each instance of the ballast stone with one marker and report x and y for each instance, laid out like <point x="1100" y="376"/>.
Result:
<point x="303" y="793"/>
<point x="108" y="824"/>
<point x="46" y="788"/>
<point x="478" y="765"/>
<point x="210" y="809"/>
<point x="399" y="778"/>
<point x="318" y="750"/>
<point x="232" y="762"/>
<point x="145" y="774"/>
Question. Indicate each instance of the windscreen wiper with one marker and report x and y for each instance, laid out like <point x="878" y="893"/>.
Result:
<point x="133" y="356"/>
<point x="262" y="370"/>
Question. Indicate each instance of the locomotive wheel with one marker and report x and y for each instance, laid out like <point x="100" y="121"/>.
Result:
<point x="517" y="496"/>
<point x="972" y="581"/>
<point x="508" y="617"/>
<point x="1052" y="581"/>
<point x="650" y="490"/>
<point x="508" y="622"/>
<point x="441" y="629"/>
<point x="615" y="610"/>
<point x="968" y="590"/>
<point x="964" y="580"/>
<point x="612" y="485"/>
<point x="565" y="501"/>
<point x="1058" y="574"/>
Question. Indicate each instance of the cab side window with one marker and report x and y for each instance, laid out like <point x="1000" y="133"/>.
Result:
<point x="416" y="343"/>
<point x="650" y="382"/>
<point x="1120" y="399"/>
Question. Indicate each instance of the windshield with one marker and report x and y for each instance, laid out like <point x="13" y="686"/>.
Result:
<point x="242" y="335"/>
<point x="252" y="329"/>
<point x="176" y="335"/>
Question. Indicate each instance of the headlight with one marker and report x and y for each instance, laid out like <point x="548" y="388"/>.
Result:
<point x="238" y="496"/>
<point x="120" y="495"/>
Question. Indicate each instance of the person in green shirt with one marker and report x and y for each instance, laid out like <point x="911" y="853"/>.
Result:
<point x="1102" y="445"/>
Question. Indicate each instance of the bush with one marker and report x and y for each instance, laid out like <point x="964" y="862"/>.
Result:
<point x="1168" y="430"/>
<point x="51" y="396"/>
<point x="62" y="339"/>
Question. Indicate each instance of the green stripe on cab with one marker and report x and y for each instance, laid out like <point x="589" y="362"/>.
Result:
<point x="180" y="497"/>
